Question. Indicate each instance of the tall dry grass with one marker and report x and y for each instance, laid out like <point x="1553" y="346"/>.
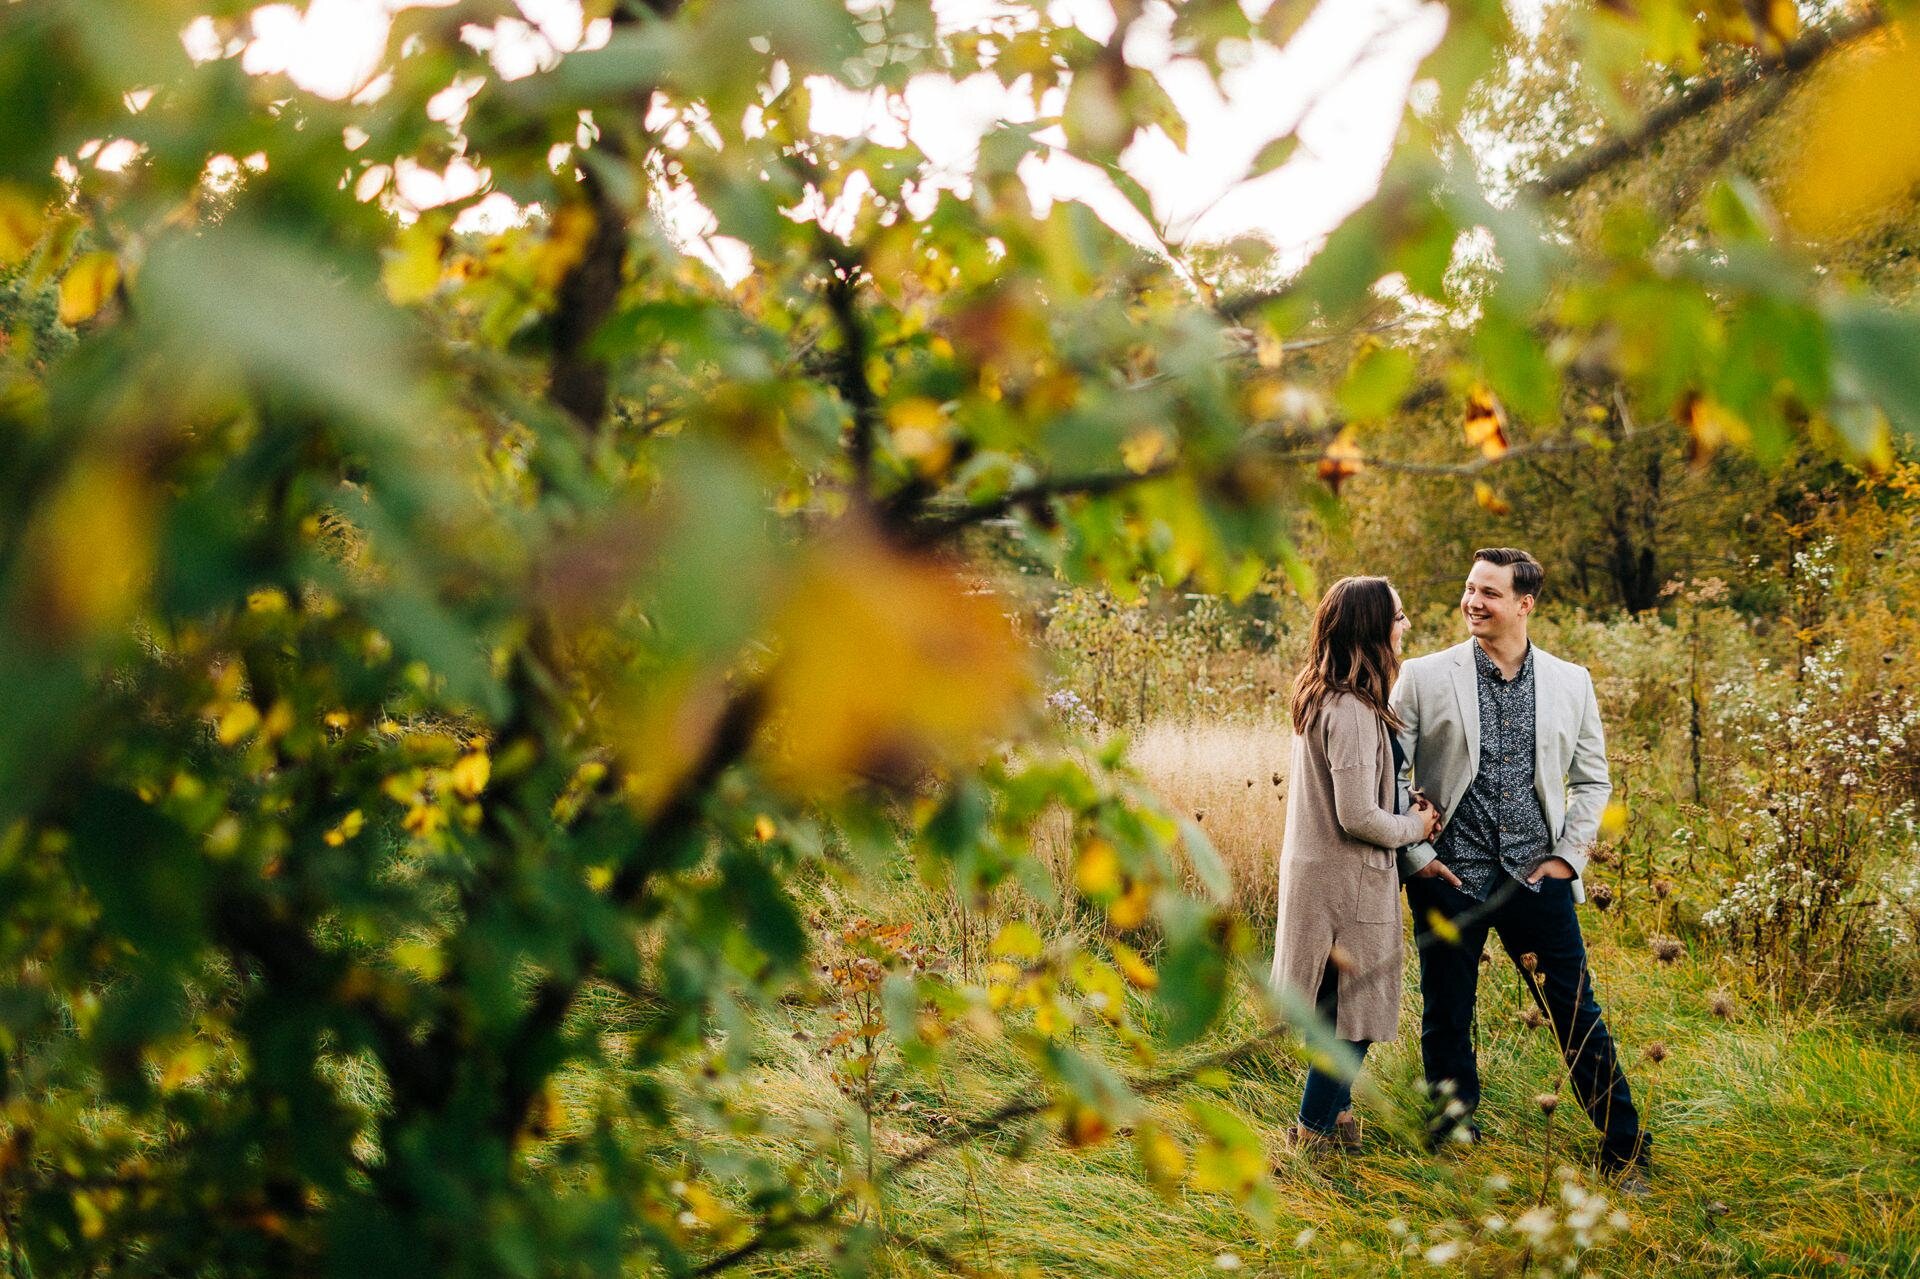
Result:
<point x="1231" y="777"/>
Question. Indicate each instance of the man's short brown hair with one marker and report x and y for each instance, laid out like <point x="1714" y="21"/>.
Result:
<point x="1528" y="576"/>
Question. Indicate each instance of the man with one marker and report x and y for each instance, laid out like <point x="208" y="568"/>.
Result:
<point x="1505" y="739"/>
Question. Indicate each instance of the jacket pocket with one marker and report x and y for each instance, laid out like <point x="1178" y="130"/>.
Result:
<point x="1378" y="898"/>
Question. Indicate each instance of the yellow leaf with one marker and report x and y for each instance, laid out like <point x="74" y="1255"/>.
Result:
<point x="470" y="774"/>
<point x="919" y="434"/>
<point x="182" y="1067"/>
<point x="1443" y="928"/>
<point x="1016" y="940"/>
<point x="1613" y="820"/>
<point x="21" y="219"/>
<point x="1138" y="972"/>
<point x="565" y="245"/>
<point x="91" y="552"/>
<point x="1105" y="992"/>
<point x="422" y="959"/>
<point x="1131" y="910"/>
<point x="87" y="285"/>
<point x="1486" y="423"/>
<point x="236" y="722"/>
<point x="661" y="730"/>
<point x="348" y="827"/>
<point x="411" y="270"/>
<point x="1096" y="872"/>
<point x="1489" y="500"/>
<point x="93" y="1222"/>
<point x="1142" y="450"/>
<point x="279" y="720"/>
<point x="1859" y="153"/>
<point x="763" y="828"/>
<point x="1164" y="1162"/>
<point x="1710" y="424"/>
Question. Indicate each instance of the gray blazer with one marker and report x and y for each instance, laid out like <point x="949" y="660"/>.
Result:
<point x="1438" y="701"/>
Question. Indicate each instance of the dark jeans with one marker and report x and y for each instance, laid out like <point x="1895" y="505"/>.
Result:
<point x="1325" y="1095"/>
<point x="1543" y="924"/>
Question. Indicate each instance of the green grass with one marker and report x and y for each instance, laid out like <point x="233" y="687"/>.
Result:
<point x="1788" y="1144"/>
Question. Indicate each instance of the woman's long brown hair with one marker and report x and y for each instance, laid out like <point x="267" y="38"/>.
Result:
<point x="1351" y="651"/>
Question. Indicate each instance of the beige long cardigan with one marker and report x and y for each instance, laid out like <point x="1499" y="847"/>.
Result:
<point x="1338" y="885"/>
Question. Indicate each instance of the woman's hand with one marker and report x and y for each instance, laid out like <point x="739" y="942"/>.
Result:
<point x="1424" y="806"/>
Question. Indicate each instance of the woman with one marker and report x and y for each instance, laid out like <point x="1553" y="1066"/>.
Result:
<point x="1338" y="941"/>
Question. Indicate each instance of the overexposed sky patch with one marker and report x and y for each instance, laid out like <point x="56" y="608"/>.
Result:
<point x="1341" y="81"/>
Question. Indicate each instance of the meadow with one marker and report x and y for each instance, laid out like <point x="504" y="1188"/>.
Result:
<point x="1780" y="1073"/>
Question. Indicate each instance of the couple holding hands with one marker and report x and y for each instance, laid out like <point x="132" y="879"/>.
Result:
<point x="1509" y="772"/>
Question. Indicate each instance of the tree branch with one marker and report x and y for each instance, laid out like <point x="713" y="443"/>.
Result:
<point x="993" y="1121"/>
<point x="1799" y="56"/>
<point x="578" y="381"/>
<point x="850" y="371"/>
<point x="525" y="1062"/>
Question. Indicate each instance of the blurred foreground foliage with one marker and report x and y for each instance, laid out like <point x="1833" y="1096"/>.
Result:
<point x="439" y="661"/>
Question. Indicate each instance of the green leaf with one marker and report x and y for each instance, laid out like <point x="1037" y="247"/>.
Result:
<point x="1274" y="154"/>
<point x="1206" y="861"/>
<point x="1877" y="354"/>
<point x="1516" y="366"/>
<point x="1193" y="975"/>
<point x="149" y="880"/>
<point x="1377" y="383"/>
<point x="764" y="908"/>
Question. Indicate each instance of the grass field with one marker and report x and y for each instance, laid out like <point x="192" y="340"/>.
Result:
<point x="1788" y="1141"/>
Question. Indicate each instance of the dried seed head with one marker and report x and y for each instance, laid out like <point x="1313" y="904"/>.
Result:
<point x="1532" y="1017"/>
<point x="1667" y="949"/>
<point x="1601" y="896"/>
<point x="1655" y="1052"/>
<point x="1663" y="888"/>
<point x="1547" y="1101"/>
<point x="1720" y="1004"/>
<point x="1530" y="961"/>
<point x="1485" y="958"/>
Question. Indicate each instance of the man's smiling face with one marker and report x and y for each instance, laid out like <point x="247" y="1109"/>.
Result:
<point x="1489" y="603"/>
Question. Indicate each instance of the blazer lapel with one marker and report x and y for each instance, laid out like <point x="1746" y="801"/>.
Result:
<point x="1466" y="689"/>
<point x="1546" y="706"/>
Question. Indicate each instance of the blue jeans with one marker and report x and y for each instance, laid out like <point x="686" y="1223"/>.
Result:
<point x="1542" y="924"/>
<point x="1327" y="1095"/>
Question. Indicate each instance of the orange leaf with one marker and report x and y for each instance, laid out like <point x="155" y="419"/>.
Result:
<point x="1341" y="462"/>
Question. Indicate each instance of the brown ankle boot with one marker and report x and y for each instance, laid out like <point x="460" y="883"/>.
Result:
<point x="1346" y="1132"/>
<point x="1304" y="1141"/>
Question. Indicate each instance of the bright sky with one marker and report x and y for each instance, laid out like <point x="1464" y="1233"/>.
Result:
<point x="1343" y="79"/>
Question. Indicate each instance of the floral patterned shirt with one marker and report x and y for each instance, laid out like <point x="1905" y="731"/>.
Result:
<point x="1499" y="827"/>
